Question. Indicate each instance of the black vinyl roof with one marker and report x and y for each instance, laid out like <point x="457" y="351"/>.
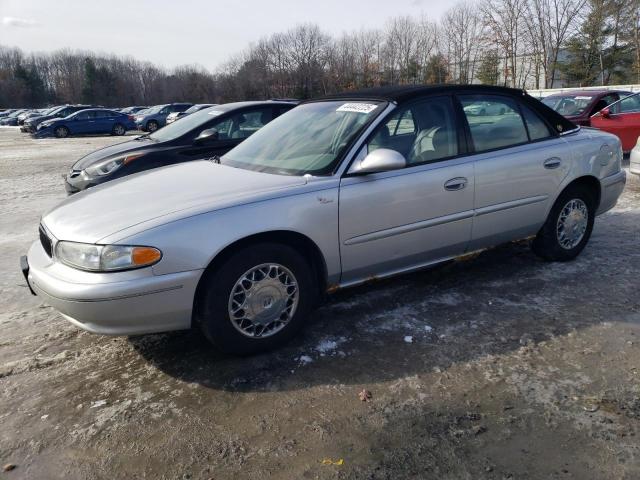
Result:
<point x="401" y="93"/>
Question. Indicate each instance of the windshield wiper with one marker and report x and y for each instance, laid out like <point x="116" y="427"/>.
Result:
<point x="143" y="136"/>
<point x="215" y="159"/>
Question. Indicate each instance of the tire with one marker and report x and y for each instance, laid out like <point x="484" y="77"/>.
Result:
<point x="561" y="243"/>
<point x="502" y="111"/>
<point x="118" y="130"/>
<point x="270" y="266"/>
<point x="152" y="126"/>
<point x="61" y="132"/>
<point x="483" y="112"/>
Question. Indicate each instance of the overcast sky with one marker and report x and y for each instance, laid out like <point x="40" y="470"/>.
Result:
<point x="177" y="32"/>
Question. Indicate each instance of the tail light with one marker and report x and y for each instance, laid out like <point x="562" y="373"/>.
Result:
<point x="131" y="118"/>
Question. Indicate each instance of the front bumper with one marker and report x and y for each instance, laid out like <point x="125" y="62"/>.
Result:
<point x="117" y="303"/>
<point x="42" y="133"/>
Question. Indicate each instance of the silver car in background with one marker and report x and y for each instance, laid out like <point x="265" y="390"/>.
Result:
<point x="331" y="194"/>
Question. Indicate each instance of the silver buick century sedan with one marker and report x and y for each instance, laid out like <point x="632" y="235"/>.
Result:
<point x="331" y="194"/>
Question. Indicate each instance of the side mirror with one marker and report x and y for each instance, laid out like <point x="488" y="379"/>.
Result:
<point x="208" y="135"/>
<point x="381" y="160"/>
<point x="605" y="112"/>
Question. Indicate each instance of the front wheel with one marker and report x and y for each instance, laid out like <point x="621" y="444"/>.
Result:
<point x="152" y="126"/>
<point x="257" y="300"/>
<point x="61" y="132"/>
<point x="118" y="130"/>
<point x="568" y="227"/>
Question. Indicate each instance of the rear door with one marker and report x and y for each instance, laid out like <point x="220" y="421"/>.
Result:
<point x="519" y="166"/>
<point x="623" y="121"/>
<point x="402" y="219"/>
<point x="103" y="121"/>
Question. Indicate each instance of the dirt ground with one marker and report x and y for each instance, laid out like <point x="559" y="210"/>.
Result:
<point x="498" y="367"/>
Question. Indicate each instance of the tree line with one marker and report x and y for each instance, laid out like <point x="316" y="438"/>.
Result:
<point x="519" y="43"/>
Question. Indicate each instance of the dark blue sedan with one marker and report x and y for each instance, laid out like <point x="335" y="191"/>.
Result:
<point x="86" y="122"/>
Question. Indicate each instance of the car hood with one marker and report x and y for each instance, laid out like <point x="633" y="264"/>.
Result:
<point x="112" y="151"/>
<point x="167" y="193"/>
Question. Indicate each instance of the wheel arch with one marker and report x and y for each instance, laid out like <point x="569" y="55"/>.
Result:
<point x="591" y="183"/>
<point x="302" y="243"/>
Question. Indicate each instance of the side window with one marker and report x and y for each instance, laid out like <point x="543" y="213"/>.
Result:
<point x="537" y="127"/>
<point x="422" y="132"/>
<point x="500" y="126"/>
<point x="165" y="110"/>
<point x="248" y="122"/>
<point x="629" y="104"/>
<point x="82" y="116"/>
<point x="223" y="127"/>
<point x="99" y="114"/>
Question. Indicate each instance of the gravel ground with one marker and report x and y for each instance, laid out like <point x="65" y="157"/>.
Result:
<point x="497" y="367"/>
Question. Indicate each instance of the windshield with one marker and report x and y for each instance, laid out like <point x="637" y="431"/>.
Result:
<point x="310" y="138"/>
<point x="155" y="109"/>
<point x="185" y="125"/>
<point x="569" y="104"/>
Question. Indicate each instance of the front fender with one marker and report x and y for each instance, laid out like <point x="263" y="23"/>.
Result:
<point x="192" y="243"/>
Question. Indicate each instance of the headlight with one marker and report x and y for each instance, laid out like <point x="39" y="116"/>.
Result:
<point x="106" y="258"/>
<point x="108" y="166"/>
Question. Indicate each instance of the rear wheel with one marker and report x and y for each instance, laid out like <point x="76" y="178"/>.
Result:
<point x="152" y="126"/>
<point x="118" y="130"/>
<point x="568" y="227"/>
<point x="257" y="300"/>
<point x="61" y="132"/>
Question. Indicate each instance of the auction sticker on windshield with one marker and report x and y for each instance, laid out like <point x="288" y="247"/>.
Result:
<point x="357" y="107"/>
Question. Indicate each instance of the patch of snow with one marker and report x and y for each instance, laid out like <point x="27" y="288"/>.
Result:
<point x="98" y="403"/>
<point x="305" y="359"/>
<point x="408" y="339"/>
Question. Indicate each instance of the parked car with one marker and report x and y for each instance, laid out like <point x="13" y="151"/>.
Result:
<point x="172" y="117"/>
<point x="580" y="105"/>
<point x="33" y="114"/>
<point x="89" y="121"/>
<point x="31" y="125"/>
<point x="330" y="194"/>
<point x="154" y="118"/>
<point x="622" y="119"/>
<point x="485" y="108"/>
<point x="11" y="120"/>
<point x="212" y="131"/>
<point x="7" y="112"/>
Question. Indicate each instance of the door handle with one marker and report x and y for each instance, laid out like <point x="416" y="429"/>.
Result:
<point x="454" y="184"/>
<point x="553" y="162"/>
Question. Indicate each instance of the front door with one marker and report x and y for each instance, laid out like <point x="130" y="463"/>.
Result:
<point x="623" y="121"/>
<point x="398" y="220"/>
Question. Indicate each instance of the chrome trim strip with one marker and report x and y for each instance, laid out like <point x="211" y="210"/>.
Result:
<point x="390" y="232"/>
<point x="512" y="204"/>
<point x="107" y="299"/>
<point x="569" y="132"/>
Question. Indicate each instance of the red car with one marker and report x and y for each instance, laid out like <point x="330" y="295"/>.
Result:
<point x="580" y="105"/>
<point x="621" y="118"/>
